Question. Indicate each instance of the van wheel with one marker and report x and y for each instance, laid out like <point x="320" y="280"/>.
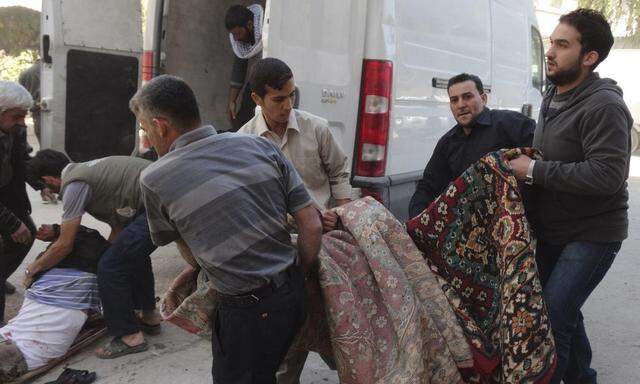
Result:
<point x="634" y="138"/>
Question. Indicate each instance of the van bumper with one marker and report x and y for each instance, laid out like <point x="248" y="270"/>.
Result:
<point x="393" y="191"/>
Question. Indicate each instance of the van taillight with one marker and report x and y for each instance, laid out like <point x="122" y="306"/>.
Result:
<point x="147" y="65"/>
<point x="373" y="118"/>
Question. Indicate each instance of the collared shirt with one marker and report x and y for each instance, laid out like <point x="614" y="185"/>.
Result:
<point x="310" y="146"/>
<point x="456" y="151"/>
<point x="227" y="196"/>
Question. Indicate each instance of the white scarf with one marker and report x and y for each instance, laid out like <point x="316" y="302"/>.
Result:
<point x="245" y="50"/>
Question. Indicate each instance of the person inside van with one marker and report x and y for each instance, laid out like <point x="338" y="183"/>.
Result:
<point x="245" y="33"/>
<point x="479" y="130"/>
<point x="307" y="142"/>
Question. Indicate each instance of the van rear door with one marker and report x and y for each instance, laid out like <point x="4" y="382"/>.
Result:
<point x="91" y="68"/>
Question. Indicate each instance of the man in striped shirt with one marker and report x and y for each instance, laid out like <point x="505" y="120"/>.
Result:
<point x="225" y="199"/>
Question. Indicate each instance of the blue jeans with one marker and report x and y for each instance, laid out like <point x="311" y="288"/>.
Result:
<point x="569" y="273"/>
<point x="125" y="278"/>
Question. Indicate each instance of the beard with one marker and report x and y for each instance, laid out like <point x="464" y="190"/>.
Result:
<point x="566" y="76"/>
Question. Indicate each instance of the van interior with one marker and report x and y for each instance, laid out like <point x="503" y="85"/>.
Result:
<point x="196" y="47"/>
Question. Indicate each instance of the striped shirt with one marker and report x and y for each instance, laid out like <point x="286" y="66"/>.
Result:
<point x="66" y="288"/>
<point x="227" y="196"/>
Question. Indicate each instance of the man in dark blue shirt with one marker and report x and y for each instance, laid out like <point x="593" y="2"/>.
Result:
<point x="478" y="132"/>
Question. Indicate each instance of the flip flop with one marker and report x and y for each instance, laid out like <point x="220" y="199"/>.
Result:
<point x="74" y="376"/>
<point x="117" y="348"/>
<point x="86" y="378"/>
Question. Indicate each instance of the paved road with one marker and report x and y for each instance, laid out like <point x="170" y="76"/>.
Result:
<point x="175" y="356"/>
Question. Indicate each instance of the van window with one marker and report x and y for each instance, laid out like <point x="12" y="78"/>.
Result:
<point x="537" y="59"/>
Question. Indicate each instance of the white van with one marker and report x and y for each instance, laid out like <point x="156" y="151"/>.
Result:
<point x="376" y="69"/>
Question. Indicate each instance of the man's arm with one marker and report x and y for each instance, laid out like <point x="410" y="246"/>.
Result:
<point x="435" y="178"/>
<point x="335" y="164"/>
<point x="309" y="237"/>
<point x="12" y="226"/>
<point x="186" y="254"/>
<point x="74" y="200"/>
<point x="58" y="251"/>
<point x="523" y="132"/>
<point x="161" y="227"/>
<point x="605" y="142"/>
<point x="300" y="206"/>
<point x="238" y="75"/>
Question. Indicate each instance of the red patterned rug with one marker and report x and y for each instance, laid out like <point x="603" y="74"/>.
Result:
<point x="476" y="238"/>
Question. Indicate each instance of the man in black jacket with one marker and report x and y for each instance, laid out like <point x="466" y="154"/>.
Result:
<point x="16" y="227"/>
<point x="478" y="132"/>
<point x="579" y="189"/>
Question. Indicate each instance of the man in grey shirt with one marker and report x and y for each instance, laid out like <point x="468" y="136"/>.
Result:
<point x="579" y="212"/>
<point x="225" y="199"/>
<point x="109" y="190"/>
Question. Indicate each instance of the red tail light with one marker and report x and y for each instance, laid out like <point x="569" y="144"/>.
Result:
<point x="147" y="65"/>
<point x="373" y="118"/>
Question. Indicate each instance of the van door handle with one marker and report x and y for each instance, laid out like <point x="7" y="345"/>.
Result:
<point x="527" y="110"/>
<point x="46" y="43"/>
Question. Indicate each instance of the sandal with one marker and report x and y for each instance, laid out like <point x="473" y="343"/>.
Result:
<point x="74" y="376"/>
<point x="117" y="348"/>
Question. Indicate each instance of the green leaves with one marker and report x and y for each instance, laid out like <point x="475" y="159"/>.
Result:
<point x="624" y="16"/>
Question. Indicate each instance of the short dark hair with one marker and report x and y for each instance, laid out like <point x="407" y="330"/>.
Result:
<point x="46" y="162"/>
<point x="237" y="16"/>
<point x="272" y="72"/>
<point x="594" y="29"/>
<point x="461" y="78"/>
<point x="170" y="97"/>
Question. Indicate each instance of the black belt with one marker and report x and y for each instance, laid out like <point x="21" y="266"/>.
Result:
<point x="258" y="294"/>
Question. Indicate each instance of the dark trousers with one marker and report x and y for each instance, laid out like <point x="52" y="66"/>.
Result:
<point x="11" y="256"/>
<point x="125" y="278"/>
<point x="250" y="341"/>
<point x="569" y="273"/>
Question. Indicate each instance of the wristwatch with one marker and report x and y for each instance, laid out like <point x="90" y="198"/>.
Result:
<point x="26" y="272"/>
<point x="529" y="177"/>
